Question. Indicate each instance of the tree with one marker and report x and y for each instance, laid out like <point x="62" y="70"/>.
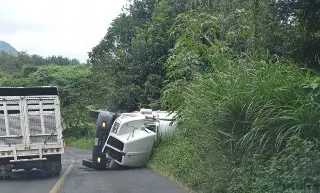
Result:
<point x="75" y="92"/>
<point x="112" y="62"/>
<point x="303" y="18"/>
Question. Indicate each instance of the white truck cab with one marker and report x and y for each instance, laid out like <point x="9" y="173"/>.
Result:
<point x="132" y="136"/>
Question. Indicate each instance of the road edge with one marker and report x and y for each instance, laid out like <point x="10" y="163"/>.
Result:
<point x="61" y="180"/>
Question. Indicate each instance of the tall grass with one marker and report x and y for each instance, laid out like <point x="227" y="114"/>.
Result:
<point x="251" y="107"/>
<point x="235" y="129"/>
<point x="178" y="157"/>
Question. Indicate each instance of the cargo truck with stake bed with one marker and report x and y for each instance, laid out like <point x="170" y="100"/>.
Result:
<point x="30" y="130"/>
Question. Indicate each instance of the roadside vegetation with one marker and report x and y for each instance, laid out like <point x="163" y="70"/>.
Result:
<point x="243" y="77"/>
<point x="82" y="143"/>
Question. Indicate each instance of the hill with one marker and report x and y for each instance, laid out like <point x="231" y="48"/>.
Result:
<point x="4" y="46"/>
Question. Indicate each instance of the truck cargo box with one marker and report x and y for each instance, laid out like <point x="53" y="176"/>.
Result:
<point x="30" y="127"/>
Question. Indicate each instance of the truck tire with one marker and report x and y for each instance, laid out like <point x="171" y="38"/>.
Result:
<point x="5" y="169"/>
<point x="101" y="135"/>
<point x="52" y="167"/>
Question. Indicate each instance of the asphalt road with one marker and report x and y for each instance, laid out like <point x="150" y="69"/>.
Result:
<point x="76" y="178"/>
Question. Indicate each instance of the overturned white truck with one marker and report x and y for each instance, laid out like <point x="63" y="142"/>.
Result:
<point x="126" y="140"/>
<point x="30" y="130"/>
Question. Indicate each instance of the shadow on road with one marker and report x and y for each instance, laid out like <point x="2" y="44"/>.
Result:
<point x="87" y="169"/>
<point x="22" y="175"/>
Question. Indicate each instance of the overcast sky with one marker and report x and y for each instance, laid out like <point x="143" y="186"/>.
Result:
<point x="57" y="27"/>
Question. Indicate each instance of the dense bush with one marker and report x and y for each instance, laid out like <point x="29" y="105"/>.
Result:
<point x="294" y="170"/>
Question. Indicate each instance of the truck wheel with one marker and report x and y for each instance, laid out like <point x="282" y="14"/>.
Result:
<point x="5" y="169"/>
<point x="52" y="166"/>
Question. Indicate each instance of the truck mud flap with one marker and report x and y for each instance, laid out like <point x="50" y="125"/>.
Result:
<point x="5" y="172"/>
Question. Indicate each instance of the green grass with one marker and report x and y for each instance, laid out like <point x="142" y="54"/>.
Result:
<point x="177" y="158"/>
<point x="82" y="143"/>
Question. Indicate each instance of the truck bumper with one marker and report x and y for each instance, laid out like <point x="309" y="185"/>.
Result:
<point x="31" y="153"/>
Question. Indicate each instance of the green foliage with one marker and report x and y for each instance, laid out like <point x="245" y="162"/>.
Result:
<point x="12" y="63"/>
<point x="150" y="49"/>
<point x="301" y="38"/>
<point x="83" y="143"/>
<point x="73" y="82"/>
<point x="248" y="113"/>
<point x="59" y="60"/>
<point x="249" y="99"/>
<point x="134" y="62"/>
<point x="200" y="48"/>
<point x="177" y="156"/>
<point x="117" y="76"/>
<point x="69" y="78"/>
<point x="293" y="170"/>
<point x="27" y="70"/>
<point x="9" y="63"/>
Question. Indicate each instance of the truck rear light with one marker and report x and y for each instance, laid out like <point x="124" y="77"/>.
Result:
<point x="5" y="152"/>
<point x="52" y="150"/>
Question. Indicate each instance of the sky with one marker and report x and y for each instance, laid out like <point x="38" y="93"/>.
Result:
<point x="70" y="28"/>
